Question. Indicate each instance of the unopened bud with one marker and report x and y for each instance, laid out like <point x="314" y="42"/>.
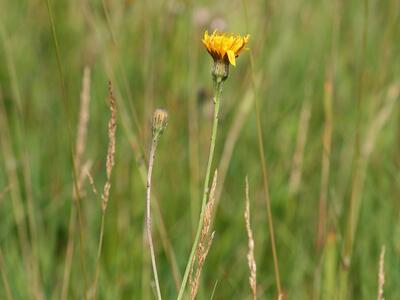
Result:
<point x="160" y="122"/>
<point x="220" y="70"/>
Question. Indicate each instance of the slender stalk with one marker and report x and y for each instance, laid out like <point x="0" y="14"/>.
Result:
<point x="110" y="161"/>
<point x="326" y="153"/>
<point x="99" y="249"/>
<point x="67" y="106"/>
<point x="355" y="196"/>
<point x="381" y="274"/>
<point x="329" y="268"/>
<point x="138" y="153"/>
<point x="125" y="81"/>
<point x="148" y="215"/>
<point x="4" y="278"/>
<point x="251" y="262"/>
<point x="193" y="133"/>
<point x="267" y="199"/>
<point x="217" y="98"/>
<point x="30" y="256"/>
<point x="146" y="273"/>
<point x="69" y="254"/>
<point x="264" y="165"/>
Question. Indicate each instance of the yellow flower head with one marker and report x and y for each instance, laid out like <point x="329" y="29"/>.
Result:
<point x="225" y="47"/>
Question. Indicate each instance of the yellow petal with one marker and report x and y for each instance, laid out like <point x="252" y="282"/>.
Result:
<point x="231" y="57"/>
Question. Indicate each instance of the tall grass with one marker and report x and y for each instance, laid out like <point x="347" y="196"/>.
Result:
<point x="310" y="113"/>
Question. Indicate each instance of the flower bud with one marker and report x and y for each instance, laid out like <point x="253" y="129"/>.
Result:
<point x="160" y="122"/>
<point x="220" y="70"/>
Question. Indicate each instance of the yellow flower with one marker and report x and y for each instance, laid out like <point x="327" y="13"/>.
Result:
<point x="225" y="47"/>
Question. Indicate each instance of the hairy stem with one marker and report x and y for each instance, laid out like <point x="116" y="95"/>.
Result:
<point x="148" y="216"/>
<point x="217" y="98"/>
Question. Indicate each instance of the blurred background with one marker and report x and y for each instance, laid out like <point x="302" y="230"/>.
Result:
<point x="326" y="76"/>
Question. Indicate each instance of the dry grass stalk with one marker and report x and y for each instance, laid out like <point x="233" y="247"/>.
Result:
<point x="376" y="125"/>
<point x="159" y="124"/>
<point x="267" y="198"/>
<point x="83" y="118"/>
<point x="250" y="254"/>
<point x="326" y="153"/>
<point x="79" y="151"/>
<point x="81" y="136"/>
<point x="205" y="241"/>
<point x="91" y="182"/>
<point x="5" y="191"/>
<point x="297" y="164"/>
<point x="4" y="277"/>
<point x="18" y="207"/>
<point x="112" y="126"/>
<point x="83" y="170"/>
<point x="263" y="165"/>
<point x="381" y="275"/>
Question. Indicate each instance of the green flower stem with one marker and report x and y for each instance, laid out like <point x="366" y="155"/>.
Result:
<point x="217" y="97"/>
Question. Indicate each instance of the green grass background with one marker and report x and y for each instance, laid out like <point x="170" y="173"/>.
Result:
<point x="152" y="53"/>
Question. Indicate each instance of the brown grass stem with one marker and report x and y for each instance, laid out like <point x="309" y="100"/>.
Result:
<point x="381" y="274"/>
<point x="83" y="118"/>
<point x="4" y="277"/>
<point x="4" y="191"/>
<point x="298" y="157"/>
<point x="251" y="262"/>
<point x="264" y="168"/>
